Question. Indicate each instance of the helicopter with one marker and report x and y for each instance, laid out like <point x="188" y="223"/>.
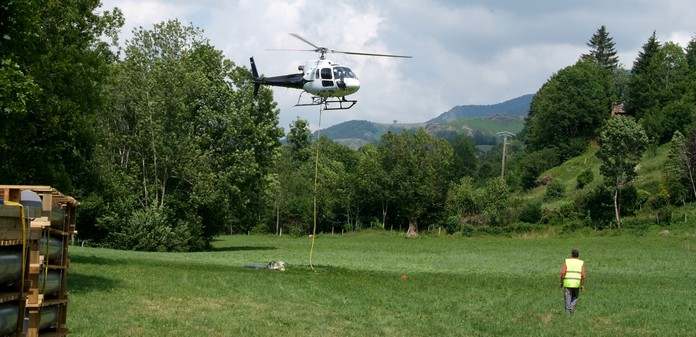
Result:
<point x="328" y="82"/>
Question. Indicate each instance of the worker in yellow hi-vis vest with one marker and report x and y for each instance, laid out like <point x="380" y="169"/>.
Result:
<point x="572" y="280"/>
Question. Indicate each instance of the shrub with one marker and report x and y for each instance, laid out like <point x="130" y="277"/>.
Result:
<point x="635" y="223"/>
<point x="554" y="190"/>
<point x="468" y="230"/>
<point x="663" y="216"/>
<point x="261" y="228"/>
<point x="493" y="230"/>
<point x="531" y="212"/>
<point x="630" y="201"/>
<point x="572" y="226"/>
<point x="598" y="204"/>
<point x="584" y="179"/>
<point x="553" y="217"/>
<point x="522" y="227"/>
<point x="568" y="211"/>
<point x="451" y="224"/>
<point x="374" y="224"/>
<point x="149" y="230"/>
<point x="297" y="232"/>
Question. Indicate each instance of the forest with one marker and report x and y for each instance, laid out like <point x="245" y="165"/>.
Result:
<point x="162" y="141"/>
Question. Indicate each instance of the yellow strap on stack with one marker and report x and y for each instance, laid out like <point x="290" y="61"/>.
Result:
<point x="20" y="319"/>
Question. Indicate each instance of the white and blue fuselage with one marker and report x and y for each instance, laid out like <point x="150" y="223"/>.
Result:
<point x="321" y="78"/>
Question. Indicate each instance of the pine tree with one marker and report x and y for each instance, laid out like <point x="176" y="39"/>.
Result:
<point x="602" y="49"/>
<point x="641" y="88"/>
<point x="691" y="54"/>
<point x="691" y="61"/>
<point x="650" y="48"/>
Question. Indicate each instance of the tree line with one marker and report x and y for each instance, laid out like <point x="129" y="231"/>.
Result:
<point x="165" y="145"/>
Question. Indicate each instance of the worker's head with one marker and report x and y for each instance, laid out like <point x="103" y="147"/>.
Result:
<point x="574" y="253"/>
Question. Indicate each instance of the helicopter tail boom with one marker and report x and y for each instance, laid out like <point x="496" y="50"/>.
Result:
<point x="295" y="81"/>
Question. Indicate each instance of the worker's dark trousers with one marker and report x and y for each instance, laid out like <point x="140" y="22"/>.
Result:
<point x="571" y="298"/>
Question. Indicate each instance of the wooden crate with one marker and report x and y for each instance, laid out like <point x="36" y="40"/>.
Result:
<point x="57" y="221"/>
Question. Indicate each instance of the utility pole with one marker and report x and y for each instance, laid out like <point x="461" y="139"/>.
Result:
<point x="505" y="135"/>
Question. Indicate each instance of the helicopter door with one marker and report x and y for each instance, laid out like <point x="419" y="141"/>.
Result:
<point x="326" y="77"/>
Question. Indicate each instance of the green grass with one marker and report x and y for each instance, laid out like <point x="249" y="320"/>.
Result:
<point x="637" y="285"/>
<point x="651" y="168"/>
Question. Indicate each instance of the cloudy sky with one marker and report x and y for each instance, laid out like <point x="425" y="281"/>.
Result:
<point x="464" y="51"/>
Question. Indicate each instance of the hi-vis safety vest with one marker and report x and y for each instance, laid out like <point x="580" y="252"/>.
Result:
<point x="573" y="273"/>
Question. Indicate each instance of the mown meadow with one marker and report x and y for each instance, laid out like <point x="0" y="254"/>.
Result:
<point x="639" y="283"/>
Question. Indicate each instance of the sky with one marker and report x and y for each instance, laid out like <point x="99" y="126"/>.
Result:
<point x="464" y="51"/>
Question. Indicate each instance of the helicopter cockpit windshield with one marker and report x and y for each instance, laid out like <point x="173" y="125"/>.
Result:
<point x="343" y="72"/>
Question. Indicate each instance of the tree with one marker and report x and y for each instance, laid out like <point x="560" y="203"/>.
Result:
<point x="622" y="142"/>
<point x="463" y="200"/>
<point x="494" y="200"/>
<point x="680" y="169"/>
<point x="294" y="200"/>
<point x="690" y="55"/>
<point x="52" y="70"/>
<point x="569" y="109"/>
<point x="690" y="160"/>
<point x="465" y="160"/>
<point x="534" y="163"/>
<point x="335" y="192"/>
<point x="417" y="167"/>
<point x="660" y="123"/>
<point x="674" y="107"/>
<point x="185" y="143"/>
<point x="690" y="52"/>
<point x="369" y="184"/>
<point x="602" y="49"/>
<point x="300" y="140"/>
<point x="17" y="89"/>
<point x="641" y="87"/>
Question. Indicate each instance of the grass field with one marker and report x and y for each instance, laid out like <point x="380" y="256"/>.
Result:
<point x="638" y="284"/>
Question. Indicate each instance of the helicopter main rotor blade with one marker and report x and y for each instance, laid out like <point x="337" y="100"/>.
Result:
<point x="291" y="50"/>
<point x="370" y="54"/>
<point x="324" y="50"/>
<point x="305" y="41"/>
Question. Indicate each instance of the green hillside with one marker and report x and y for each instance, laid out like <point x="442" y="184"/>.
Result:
<point x="649" y="173"/>
<point x="358" y="133"/>
<point x="491" y="124"/>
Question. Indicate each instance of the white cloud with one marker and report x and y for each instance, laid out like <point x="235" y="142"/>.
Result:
<point x="146" y="13"/>
<point x="465" y="52"/>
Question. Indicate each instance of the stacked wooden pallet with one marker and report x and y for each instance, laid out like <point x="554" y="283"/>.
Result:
<point x="36" y="223"/>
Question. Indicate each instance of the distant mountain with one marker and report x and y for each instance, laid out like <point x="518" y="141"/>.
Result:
<point x="358" y="133"/>
<point x="469" y="119"/>
<point x="515" y="107"/>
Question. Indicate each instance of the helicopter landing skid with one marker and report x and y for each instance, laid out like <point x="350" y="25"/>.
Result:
<point x="330" y="103"/>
